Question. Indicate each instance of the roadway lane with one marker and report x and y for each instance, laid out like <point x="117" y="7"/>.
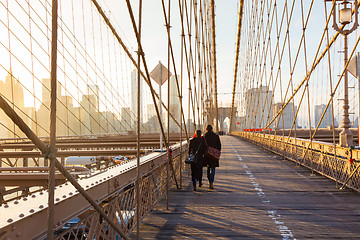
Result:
<point x="257" y="195"/>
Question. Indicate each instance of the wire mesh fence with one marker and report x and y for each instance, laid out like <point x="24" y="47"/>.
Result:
<point x="320" y="157"/>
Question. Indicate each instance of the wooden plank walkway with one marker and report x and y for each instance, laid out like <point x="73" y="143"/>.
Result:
<point x="257" y="195"/>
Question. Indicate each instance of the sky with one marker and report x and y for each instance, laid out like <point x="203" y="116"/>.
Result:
<point x="96" y="58"/>
<point x="89" y="54"/>
<point x="154" y="36"/>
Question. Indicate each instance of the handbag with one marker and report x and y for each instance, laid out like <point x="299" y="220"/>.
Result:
<point x="190" y="159"/>
<point x="211" y="152"/>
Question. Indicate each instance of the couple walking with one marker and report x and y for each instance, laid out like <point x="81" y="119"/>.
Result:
<point x="198" y="146"/>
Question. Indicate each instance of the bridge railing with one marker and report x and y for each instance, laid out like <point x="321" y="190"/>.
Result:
<point x="335" y="162"/>
<point x="112" y="189"/>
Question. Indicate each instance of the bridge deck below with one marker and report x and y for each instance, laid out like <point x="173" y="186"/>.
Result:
<point x="257" y="195"/>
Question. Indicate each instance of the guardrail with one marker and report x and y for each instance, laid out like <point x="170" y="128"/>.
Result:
<point x="112" y="189"/>
<point x="335" y="162"/>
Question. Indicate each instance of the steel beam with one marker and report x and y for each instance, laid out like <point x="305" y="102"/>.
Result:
<point x="28" y="179"/>
<point x="87" y="145"/>
<point x="34" y="154"/>
<point x="18" y="217"/>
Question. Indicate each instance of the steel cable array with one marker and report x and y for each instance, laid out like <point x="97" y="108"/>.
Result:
<point x="286" y="87"/>
<point x="88" y="97"/>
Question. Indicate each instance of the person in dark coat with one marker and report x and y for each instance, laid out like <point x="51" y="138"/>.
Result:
<point x="212" y="140"/>
<point x="196" y="168"/>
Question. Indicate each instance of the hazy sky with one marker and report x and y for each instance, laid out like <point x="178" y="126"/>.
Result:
<point x="155" y="41"/>
<point x="88" y="53"/>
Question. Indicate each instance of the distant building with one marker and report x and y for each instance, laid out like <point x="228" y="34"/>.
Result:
<point x="70" y="120"/>
<point x="46" y="92"/>
<point x="109" y="122"/>
<point x="134" y="98"/>
<point x="4" y="126"/>
<point x="174" y="108"/>
<point x="13" y="92"/>
<point x="150" y="111"/>
<point x="80" y="120"/>
<point x="152" y="123"/>
<point x="354" y="123"/>
<point x="327" y="120"/>
<point x="259" y="109"/>
<point x="190" y="124"/>
<point x="125" y="122"/>
<point x="240" y="124"/>
<point x="89" y="111"/>
<point x="286" y="117"/>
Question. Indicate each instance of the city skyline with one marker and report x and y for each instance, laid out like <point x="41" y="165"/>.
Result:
<point x="85" y="118"/>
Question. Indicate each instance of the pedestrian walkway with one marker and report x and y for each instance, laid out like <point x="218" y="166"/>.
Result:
<point x="257" y="195"/>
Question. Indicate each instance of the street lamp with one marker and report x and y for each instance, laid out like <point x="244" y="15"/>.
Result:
<point x="345" y="13"/>
<point x="345" y="17"/>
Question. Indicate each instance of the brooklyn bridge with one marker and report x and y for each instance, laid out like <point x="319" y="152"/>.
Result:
<point x="99" y="100"/>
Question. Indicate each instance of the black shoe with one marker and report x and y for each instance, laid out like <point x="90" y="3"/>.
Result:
<point x="194" y="189"/>
<point x="211" y="186"/>
<point x="200" y="184"/>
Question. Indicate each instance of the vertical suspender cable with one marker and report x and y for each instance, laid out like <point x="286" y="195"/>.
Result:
<point x="181" y="92"/>
<point x="191" y="63"/>
<point x="52" y="148"/>
<point x="241" y="7"/>
<point x="168" y="119"/>
<point x="331" y="85"/>
<point x="138" y="129"/>
<point x="214" y="59"/>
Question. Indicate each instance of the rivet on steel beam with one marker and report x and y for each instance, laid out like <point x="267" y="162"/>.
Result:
<point x="21" y="215"/>
<point x="41" y="193"/>
<point x="64" y="196"/>
<point x="57" y="199"/>
<point x="9" y="220"/>
<point x="16" y="202"/>
<point x="70" y="193"/>
<point x="31" y="211"/>
<point x="66" y="184"/>
<point x="41" y="206"/>
<point x="25" y="199"/>
<point x="87" y="186"/>
<point x="6" y="206"/>
<point x="92" y="184"/>
<point x="33" y="196"/>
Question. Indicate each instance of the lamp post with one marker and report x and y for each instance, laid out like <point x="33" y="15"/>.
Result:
<point x="345" y="17"/>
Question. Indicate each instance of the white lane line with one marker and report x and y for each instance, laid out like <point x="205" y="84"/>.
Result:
<point x="285" y="232"/>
